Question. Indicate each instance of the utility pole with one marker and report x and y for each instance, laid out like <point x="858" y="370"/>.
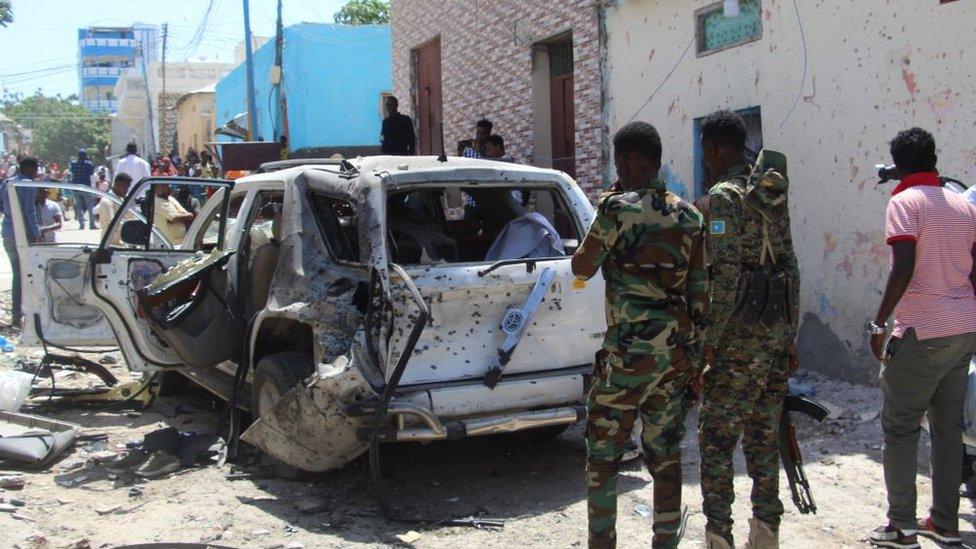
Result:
<point x="249" y="61"/>
<point x="164" y="108"/>
<point x="151" y="145"/>
<point x="276" y="75"/>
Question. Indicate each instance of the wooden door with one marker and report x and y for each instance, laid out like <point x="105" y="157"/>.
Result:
<point x="427" y="98"/>
<point x="563" y="124"/>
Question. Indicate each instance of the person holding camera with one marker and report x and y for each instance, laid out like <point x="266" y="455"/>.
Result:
<point x="931" y="232"/>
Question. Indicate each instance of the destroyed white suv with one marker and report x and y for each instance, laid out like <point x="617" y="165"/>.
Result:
<point x="435" y="296"/>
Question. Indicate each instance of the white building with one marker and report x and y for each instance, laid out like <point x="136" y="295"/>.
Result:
<point x="829" y="84"/>
<point x="132" y="122"/>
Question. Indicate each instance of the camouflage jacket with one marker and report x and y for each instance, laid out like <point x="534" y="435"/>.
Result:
<point x="736" y="243"/>
<point x="650" y="246"/>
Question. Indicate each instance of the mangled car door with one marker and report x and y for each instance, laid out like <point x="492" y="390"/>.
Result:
<point x="163" y="288"/>
<point x="329" y="239"/>
<point x="58" y="307"/>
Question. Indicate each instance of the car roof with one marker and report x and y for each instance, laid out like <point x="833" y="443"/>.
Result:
<point x="367" y="170"/>
<point x="293" y="162"/>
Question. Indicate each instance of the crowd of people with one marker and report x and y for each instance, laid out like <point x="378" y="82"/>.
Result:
<point x="47" y="211"/>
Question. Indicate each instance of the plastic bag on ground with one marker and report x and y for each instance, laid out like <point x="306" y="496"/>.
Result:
<point x="14" y="388"/>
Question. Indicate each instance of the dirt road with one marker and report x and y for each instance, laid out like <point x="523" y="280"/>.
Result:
<point x="537" y="487"/>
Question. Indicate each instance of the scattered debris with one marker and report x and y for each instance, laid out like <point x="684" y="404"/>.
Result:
<point x="24" y="518"/>
<point x="410" y="537"/>
<point x="869" y="416"/>
<point x="261" y="532"/>
<point x="107" y="359"/>
<point x="7" y="508"/>
<point x="70" y="481"/>
<point x="311" y="506"/>
<point x="14" y="388"/>
<point x="12" y="482"/>
<point x="213" y="533"/>
<point x="107" y="510"/>
<point x="37" y="540"/>
<point x="643" y="510"/>
<point x="100" y="457"/>
<point x="33" y="440"/>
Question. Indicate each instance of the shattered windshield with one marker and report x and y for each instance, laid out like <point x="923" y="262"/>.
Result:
<point x="478" y="223"/>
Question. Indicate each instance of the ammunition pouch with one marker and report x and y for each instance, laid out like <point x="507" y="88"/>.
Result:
<point x="763" y="297"/>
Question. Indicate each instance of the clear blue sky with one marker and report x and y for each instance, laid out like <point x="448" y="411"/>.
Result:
<point x="44" y="33"/>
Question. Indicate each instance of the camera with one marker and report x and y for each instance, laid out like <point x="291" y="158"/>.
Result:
<point x="887" y="173"/>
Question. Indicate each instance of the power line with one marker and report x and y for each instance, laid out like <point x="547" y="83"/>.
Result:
<point x="666" y="78"/>
<point x="194" y="42"/>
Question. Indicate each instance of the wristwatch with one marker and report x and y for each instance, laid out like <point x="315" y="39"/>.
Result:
<point x="877" y="329"/>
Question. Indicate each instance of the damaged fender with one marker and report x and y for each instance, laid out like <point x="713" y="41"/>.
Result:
<point x="310" y="427"/>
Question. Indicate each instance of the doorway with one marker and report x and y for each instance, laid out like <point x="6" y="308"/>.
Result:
<point x="427" y="97"/>
<point x="561" y="106"/>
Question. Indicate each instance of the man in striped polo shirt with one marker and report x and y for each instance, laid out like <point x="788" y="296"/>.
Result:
<point x="931" y="232"/>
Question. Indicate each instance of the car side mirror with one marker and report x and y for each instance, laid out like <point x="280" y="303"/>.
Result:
<point x="135" y="232"/>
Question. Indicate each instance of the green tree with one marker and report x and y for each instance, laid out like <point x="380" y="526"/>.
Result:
<point x="60" y="126"/>
<point x="6" y="13"/>
<point x="364" y="12"/>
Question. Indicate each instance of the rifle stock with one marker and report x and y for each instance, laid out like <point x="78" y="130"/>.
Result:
<point x="789" y="450"/>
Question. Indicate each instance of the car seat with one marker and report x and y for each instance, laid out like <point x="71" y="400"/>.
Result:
<point x="263" y="263"/>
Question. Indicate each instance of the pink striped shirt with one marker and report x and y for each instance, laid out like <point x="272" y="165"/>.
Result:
<point x="939" y="301"/>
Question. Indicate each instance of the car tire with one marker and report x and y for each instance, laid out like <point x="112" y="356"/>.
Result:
<point x="172" y="383"/>
<point x="274" y="376"/>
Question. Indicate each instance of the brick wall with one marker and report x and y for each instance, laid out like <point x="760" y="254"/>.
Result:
<point x="487" y="72"/>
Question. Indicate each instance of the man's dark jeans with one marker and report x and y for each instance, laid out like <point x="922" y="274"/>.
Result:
<point x="84" y="204"/>
<point x="919" y="378"/>
<point x="11" y="249"/>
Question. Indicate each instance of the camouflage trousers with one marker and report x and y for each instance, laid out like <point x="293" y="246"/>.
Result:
<point x="743" y="396"/>
<point x="651" y="386"/>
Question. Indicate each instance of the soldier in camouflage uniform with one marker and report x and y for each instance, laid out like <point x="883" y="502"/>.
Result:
<point x="748" y="361"/>
<point x="650" y="246"/>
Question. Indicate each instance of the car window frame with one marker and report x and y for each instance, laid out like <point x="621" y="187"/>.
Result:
<point x="131" y="196"/>
<point x="322" y="231"/>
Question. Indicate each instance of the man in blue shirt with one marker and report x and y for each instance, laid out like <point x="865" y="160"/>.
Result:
<point x="28" y="171"/>
<point x="82" y="171"/>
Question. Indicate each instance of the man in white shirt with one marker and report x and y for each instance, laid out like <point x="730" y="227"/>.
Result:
<point x="49" y="216"/>
<point x="135" y="167"/>
<point x="169" y="215"/>
<point x="106" y="208"/>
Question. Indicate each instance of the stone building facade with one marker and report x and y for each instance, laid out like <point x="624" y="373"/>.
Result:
<point x="532" y="68"/>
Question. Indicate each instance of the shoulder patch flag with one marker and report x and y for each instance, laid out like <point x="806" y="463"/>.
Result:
<point x="717" y="227"/>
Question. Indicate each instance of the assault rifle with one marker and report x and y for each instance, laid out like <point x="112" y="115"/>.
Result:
<point x="789" y="449"/>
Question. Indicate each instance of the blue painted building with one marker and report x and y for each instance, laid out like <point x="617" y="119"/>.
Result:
<point x="103" y="53"/>
<point x="334" y="78"/>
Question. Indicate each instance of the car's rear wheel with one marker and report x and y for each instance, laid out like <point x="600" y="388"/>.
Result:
<point x="274" y="376"/>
